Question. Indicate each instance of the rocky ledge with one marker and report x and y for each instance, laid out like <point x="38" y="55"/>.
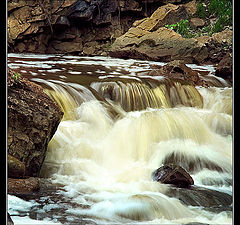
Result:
<point x="150" y="39"/>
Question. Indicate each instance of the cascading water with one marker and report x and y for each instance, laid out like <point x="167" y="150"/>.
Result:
<point x="117" y="129"/>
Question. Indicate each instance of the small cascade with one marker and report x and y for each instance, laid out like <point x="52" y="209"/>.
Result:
<point x="135" y="96"/>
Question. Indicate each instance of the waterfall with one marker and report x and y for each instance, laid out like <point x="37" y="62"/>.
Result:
<point x="118" y="128"/>
<point x="110" y="159"/>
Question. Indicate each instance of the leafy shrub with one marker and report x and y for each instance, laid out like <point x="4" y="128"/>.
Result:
<point x="182" y="27"/>
<point x="200" y="10"/>
<point x="223" y="10"/>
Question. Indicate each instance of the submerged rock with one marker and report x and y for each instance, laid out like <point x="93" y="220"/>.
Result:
<point x="33" y="118"/>
<point x="211" y="200"/>
<point x="173" y="174"/>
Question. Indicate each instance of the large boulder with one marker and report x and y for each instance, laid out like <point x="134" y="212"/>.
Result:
<point x="160" y="45"/>
<point x="32" y="121"/>
<point x="173" y="174"/>
<point x="149" y="39"/>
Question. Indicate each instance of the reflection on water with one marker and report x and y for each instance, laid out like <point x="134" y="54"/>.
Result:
<point x="119" y="126"/>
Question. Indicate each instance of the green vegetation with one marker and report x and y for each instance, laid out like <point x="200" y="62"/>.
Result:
<point x="16" y="77"/>
<point x="222" y="9"/>
<point x="217" y="14"/>
<point x="182" y="27"/>
<point x="201" y="13"/>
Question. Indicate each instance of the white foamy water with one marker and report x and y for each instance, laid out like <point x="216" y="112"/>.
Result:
<point x="105" y="164"/>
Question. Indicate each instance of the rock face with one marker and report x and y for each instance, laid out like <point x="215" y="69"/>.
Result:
<point x="50" y="26"/>
<point x="32" y="121"/>
<point x="173" y="174"/>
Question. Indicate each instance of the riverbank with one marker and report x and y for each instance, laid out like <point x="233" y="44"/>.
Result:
<point x="91" y="28"/>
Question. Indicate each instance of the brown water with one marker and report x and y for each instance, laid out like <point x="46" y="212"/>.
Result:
<point x="119" y="126"/>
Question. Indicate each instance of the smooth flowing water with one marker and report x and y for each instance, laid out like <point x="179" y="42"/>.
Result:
<point x="119" y="126"/>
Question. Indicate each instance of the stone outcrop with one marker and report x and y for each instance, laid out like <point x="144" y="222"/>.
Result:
<point x="173" y="174"/>
<point x="32" y="121"/>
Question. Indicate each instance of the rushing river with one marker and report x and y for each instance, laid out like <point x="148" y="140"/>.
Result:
<point x="119" y="126"/>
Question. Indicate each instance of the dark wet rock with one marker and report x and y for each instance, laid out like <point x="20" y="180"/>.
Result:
<point x="16" y="168"/>
<point x="211" y="200"/>
<point x="33" y="118"/>
<point x="19" y="186"/>
<point x="224" y="68"/>
<point x="63" y="21"/>
<point x="173" y="174"/>
<point x="9" y="220"/>
<point x="83" y="11"/>
<point x="48" y="193"/>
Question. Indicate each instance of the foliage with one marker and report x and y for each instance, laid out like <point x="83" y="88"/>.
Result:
<point x="219" y="11"/>
<point x="223" y="10"/>
<point x="182" y="27"/>
<point x="201" y="13"/>
<point x="16" y="77"/>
